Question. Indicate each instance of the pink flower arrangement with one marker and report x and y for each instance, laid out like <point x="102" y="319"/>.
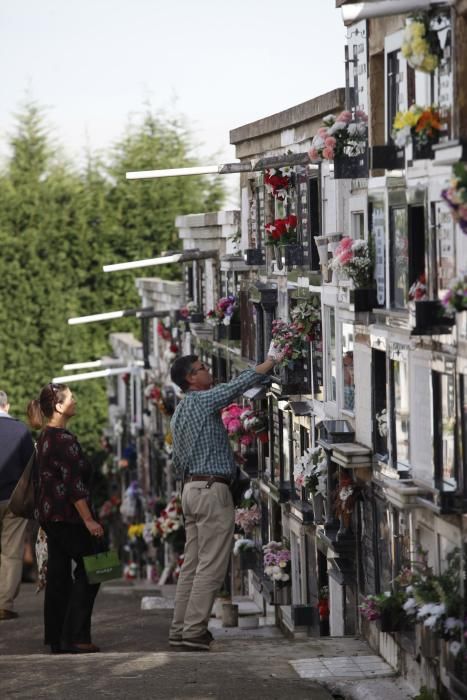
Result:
<point x="339" y="136"/>
<point x="353" y="258"/>
<point x="247" y="518"/>
<point x="234" y="418"/>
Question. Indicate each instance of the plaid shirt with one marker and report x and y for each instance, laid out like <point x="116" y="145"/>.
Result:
<point x="200" y="441"/>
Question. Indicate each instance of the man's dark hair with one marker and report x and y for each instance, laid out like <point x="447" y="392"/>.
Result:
<point x="180" y="368"/>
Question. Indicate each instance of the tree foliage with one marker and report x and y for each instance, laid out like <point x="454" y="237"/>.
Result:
<point x="59" y="225"/>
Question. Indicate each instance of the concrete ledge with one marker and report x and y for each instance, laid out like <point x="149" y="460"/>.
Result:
<point x="303" y="112"/>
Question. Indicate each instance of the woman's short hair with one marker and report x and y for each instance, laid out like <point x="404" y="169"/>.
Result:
<point x="180" y="369"/>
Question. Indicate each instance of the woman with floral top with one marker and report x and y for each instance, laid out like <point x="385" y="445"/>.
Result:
<point x="64" y="512"/>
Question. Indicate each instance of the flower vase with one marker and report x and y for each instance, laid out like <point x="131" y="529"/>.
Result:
<point x="429" y="643"/>
<point x="247" y="559"/>
<point x="282" y="594"/>
<point x="390" y="621"/>
<point x="423" y="150"/>
<point x="333" y="241"/>
<point x="317" y="502"/>
<point x="321" y="243"/>
<point x="363" y="299"/>
<point x="278" y="257"/>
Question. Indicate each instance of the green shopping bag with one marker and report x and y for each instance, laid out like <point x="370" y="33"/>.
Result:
<point x="104" y="566"/>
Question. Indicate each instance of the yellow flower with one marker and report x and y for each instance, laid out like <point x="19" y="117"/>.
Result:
<point x="419" y="45"/>
<point x="417" y="29"/>
<point x="406" y="50"/>
<point x="135" y="530"/>
<point x="168" y="438"/>
<point x="429" y="63"/>
<point x="409" y="118"/>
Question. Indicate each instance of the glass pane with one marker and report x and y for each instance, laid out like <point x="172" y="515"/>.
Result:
<point x="331" y="388"/>
<point x="463" y="406"/>
<point x="347" y="367"/>
<point x="285" y="450"/>
<point x="445" y="247"/>
<point x="358" y="225"/>
<point x="448" y="423"/>
<point x="400" y="253"/>
<point x="317" y="362"/>
<point x="401" y="412"/>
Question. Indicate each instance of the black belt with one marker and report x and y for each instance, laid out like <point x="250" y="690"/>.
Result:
<point x="209" y="478"/>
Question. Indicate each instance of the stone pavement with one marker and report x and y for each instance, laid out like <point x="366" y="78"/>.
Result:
<point x="136" y="661"/>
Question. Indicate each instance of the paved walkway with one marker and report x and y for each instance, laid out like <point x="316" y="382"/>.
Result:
<point x="137" y="663"/>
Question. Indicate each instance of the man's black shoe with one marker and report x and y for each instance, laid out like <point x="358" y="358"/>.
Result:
<point x="202" y="643"/>
<point x="8" y="615"/>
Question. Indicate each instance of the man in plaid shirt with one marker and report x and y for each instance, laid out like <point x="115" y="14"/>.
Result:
<point x="203" y="457"/>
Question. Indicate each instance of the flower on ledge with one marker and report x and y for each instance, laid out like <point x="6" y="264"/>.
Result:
<point x="341" y="135"/>
<point x="290" y="340"/>
<point x="311" y="470"/>
<point x="455" y="298"/>
<point x="352" y="257"/>
<point x="277" y="183"/>
<point x="423" y="123"/>
<point x="345" y="498"/>
<point x="420" y="44"/>
<point x="225" y="308"/>
<point x="282" y="231"/>
<point x="190" y="308"/>
<point x="276" y="561"/>
<point x="163" y="331"/>
<point x="418" y="290"/>
<point x="455" y="195"/>
<point x="382" y="422"/>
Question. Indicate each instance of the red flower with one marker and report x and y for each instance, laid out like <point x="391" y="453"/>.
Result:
<point x="292" y="221"/>
<point x="281" y="226"/>
<point x="163" y="332"/>
<point x="174" y="347"/>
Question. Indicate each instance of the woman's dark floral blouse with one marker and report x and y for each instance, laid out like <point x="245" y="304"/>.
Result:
<point x="64" y="476"/>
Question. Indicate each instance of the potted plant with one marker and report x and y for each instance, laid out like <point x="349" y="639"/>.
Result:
<point x="276" y="561"/>
<point x="455" y="195"/>
<point x="421" y="125"/>
<point x="352" y="259"/>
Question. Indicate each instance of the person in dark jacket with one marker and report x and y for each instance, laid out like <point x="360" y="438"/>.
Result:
<point x="64" y="512"/>
<point x="16" y="447"/>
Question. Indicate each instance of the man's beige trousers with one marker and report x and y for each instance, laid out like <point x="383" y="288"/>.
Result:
<point x="12" y="530"/>
<point x="209" y="524"/>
